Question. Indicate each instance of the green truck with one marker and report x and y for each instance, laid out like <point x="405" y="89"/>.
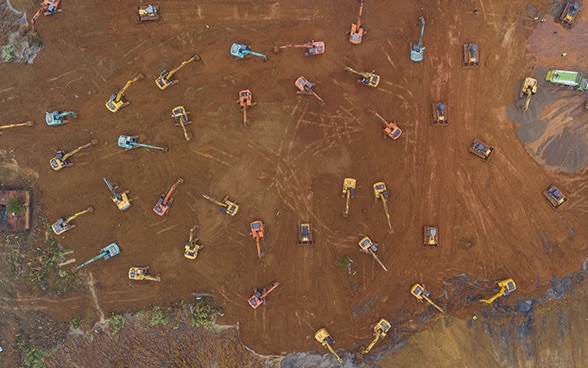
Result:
<point x="573" y="80"/>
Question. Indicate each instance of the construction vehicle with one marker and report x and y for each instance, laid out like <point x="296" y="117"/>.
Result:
<point x="192" y="246"/>
<point x="325" y="339"/>
<point x="570" y="12"/>
<point x="61" y="158"/>
<point x="257" y="229"/>
<point x="381" y="193"/>
<point x="369" y="247"/>
<point x="241" y="51"/>
<point x="506" y="287"/>
<point x="48" y="7"/>
<point x="430" y="236"/>
<point x="312" y="48"/>
<point x="366" y="78"/>
<point x="165" y="78"/>
<point x="130" y="142"/>
<point x="147" y="13"/>
<point x="225" y="206"/>
<point x="416" y="49"/>
<point x="117" y="100"/>
<point x="573" y="80"/>
<point x="348" y="192"/>
<point x="380" y="331"/>
<point x="121" y="200"/>
<point x="471" y="55"/>
<point x="357" y="32"/>
<point x="64" y="224"/>
<point x="259" y="295"/>
<point x="421" y="294"/>
<point x="58" y="117"/>
<point x="440" y="114"/>
<point x="246" y="102"/>
<point x="390" y="128"/>
<point x="555" y="197"/>
<point x="529" y="88"/>
<point x="107" y="252"/>
<point x="305" y="233"/>
<point x="481" y="149"/>
<point x="180" y="115"/>
<point x="142" y="273"/>
<point x="165" y="201"/>
<point x="16" y="125"/>
<point x="306" y="88"/>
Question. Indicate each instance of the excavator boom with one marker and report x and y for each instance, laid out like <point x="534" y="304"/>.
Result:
<point x="387" y="213"/>
<point x="171" y="190"/>
<point x="69" y="154"/>
<point x="377" y="259"/>
<point x="78" y="214"/>
<point x="210" y="199"/>
<point x="122" y="91"/>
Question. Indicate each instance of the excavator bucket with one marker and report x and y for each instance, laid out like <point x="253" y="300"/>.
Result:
<point x="147" y="13"/>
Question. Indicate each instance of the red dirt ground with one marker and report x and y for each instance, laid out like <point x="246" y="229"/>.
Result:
<point x="288" y="166"/>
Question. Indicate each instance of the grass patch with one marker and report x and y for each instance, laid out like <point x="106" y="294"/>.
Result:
<point x="32" y="356"/>
<point x="159" y="317"/>
<point x="203" y="314"/>
<point x="117" y="322"/>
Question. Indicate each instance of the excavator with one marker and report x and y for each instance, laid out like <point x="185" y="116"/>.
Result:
<point x="430" y="236"/>
<point x="121" y="200"/>
<point x="257" y="229"/>
<point x="147" y="13"/>
<point x="58" y="117"/>
<point x="555" y="197"/>
<point x="325" y="339"/>
<point x="440" y="114"/>
<point x="165" y="201"/>
<point x="48" y="7"/>
<point x="366" y="78"/>
<point x="259" y="295"/>
<point x="16" y="125"/>
<point x="369" y="247"/>
<point x="391" y="130"/>
<point x="180" y="115"/>
<point x="381" y="193"/>
<point x="529" y="88"/>
<point x="306" y="88"/>
<point x="471" y="55"/>
<point x="107" y="252"/>
<point x="61" y="158"/>
<point x="305" y="233"/>
<point x="506" y="287"/>
<point x="129" y="142"/>
<point x="380" y="331"/>
<point x="225" y="206"/>
<point x="348" y="192"/>
<point x="64" y="224"/>
<point x="192" y="247"/>
<point x="117" y="101"/>
<point x="421" y="294"/>
<point x="142" y="273"/>
<point x="569" y="14"/>
<point x="241" y="51"/>
<point x="481" y="149"/>
<point x="357" y="32"/>
<point x="416" y="50"/>
<point x="246" y="102"/>
<point x="312" y="48"/>
<point x="165" y="79"/>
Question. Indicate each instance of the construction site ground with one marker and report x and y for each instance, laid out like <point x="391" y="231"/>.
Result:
<point x="289" y="164"/>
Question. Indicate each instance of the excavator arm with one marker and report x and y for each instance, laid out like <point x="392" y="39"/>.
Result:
<point x="171" y="191"/>
<point x="371" y="345"/>
<point x="69" y="154"/>
<point x="76" y="215"/>
<point x="122" y="91"/>
<point x="171" y="73"/>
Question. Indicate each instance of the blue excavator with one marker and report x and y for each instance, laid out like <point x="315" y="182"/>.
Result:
<point x="416" y="51"/>
<point x="107" y="252"/>
<point x="241" y="51"/>
<point x="131" y="141"/>
<point x="58" y="117"/>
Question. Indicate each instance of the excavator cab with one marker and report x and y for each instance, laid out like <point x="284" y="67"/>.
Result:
<point x="440" y="114"/>
<point x="380" y="331"/>
<point x="58" y="117"/>
<point x="471" y="55"/>
<point x="569" y="14"/>
<point x="257" y="229"/>
<point x="430" y="236"/>
<point x="165" y="201"/>
<point x="357" y="32"/>
<point x="64" y="224"/>
<point x="305" y="233"/>
<point x="259" y="295"/>
<point x="481" y="149"/>
<point x="181" y="118"/>
<point x="506" y="287"/>
<point x="246" y="102"/>
<point x="192" y="247"/>
<point x="147" y="13"/>
<point x="116" y="100"/>
<point x="348" y="192"/>
<point x="324" y="338"/>
<point x="555" y="197"/>
<point x="141" y="273"/>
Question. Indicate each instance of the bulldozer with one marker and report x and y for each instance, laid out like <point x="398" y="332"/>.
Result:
<point x="369" y="247"/>
<point x="471" y="55"/>
<point x="165" y="201"/>
<point x="325" y="339"/>
<point x="16" y="125"/>
<point x="225" y="206"/>
<point x="117" y="100"/>
<point x="305" y="233"/>
<point x="107" y="252"/>
<point x="47" y="7"/>
<point x="313" y="48"/>
<point x="246" y="102"/>
<point x="357" y="32"/>
<point x="366" y="78"/>
<point x="257" y="229"/>
<point x="430" y="236"/>
<point x="165" y="78"/>
<point x="61" y="158"/>
<point x="440" y="114"/>
<point x="241" y="51"/>
<point x="529" y="88"/>
<point x="142" y="273"/>
<point x="147" y="13"/>
<point x="391" y="130"/>
<point x="121" y="200"/>
<point x="130" y="142"/>
<point x="555" y="197"/>
<point x="481" y="149"/>
<point x="380" y="331"/>
<point x="259" y="296"/>
<point x="192" y="246"/>
<point x="180" y="116"/>
<point x="570" y="12"/>
<point x="306" y="88"/>
<point x="64" y="224"/>
<point x="416" y="49"/>
<point x="348" y="192"/>
<point x="506" y="287"/>
<point x="421" y="294"/>
<point x="381" y="193"/>
<point x="58" y="117"/>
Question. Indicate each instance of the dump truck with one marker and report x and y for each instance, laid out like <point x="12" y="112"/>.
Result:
<point x="573" y="80"/>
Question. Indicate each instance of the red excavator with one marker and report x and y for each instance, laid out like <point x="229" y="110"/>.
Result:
<point x="257" y="234"/>
<point x="48" y="7"/>
<point x="246" y="102"/>
<point x="165" y="201"/>
<point x="259" y="295"/>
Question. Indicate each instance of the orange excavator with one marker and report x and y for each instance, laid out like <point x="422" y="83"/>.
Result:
<point x="48" y="7"/>
<point x="257" y="234"/>
<point x="246" y="102"/>
<point x="356" y="34"/>
<point x="165" y="201"/>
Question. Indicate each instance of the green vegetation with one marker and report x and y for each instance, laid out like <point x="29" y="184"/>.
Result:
<point x="203" y="314"/>
<point x="76" y="322"/>
<point x="15" y="206"/>
<point x="117" y="322"/>
<point x="45" y="271"/>
<point x="343" y="261"/>
<point x="33" y="357"/>
<point x="159" y="317"/>
<point x="8" y="53"/>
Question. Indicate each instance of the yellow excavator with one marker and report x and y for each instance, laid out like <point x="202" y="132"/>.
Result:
<point x="28" y="123"/>
<point x="192" y="247"/>
<point x="225" y="206"/>
<point x="61" y="158"/>
<point x="381" y="193"/>
<point x="367" y="78"/>
<point x="348" y="192"/>
<point x="421" y="294"/>
<point x="369" y="247"/>
<point x="64" y="224"/>
<point x="141" y="273"/>
<point x="165" y="79"/>
<point x="325" y="339"/>
<point x="380" y="331"/>
<point x="529" y="89"/>
<point x="506" y="287"/>
<point x="117" y="101"/>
